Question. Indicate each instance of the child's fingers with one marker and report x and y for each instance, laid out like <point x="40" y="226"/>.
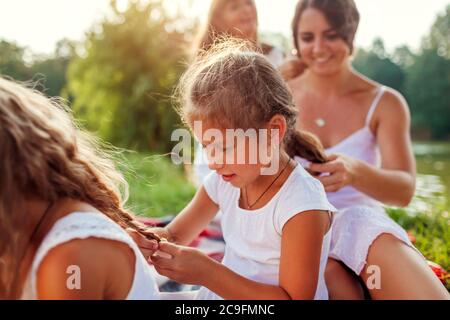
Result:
<point x="147" y="253"/>
<point x="169" y="248"/>
<point x="142" y="241"/>
<point x="164" y="272"/>
<point x="161" y="262"/>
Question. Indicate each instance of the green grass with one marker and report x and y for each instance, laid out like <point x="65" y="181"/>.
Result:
<point x="432" y="233"/>
<point x="159" y="188"/>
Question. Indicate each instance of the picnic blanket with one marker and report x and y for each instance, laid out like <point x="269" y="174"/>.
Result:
<point x="211" y="242"/>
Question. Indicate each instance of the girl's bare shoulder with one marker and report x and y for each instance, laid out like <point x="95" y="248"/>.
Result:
<point x="95" y="259"/>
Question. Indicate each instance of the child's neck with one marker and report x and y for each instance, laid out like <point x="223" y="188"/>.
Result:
<point x="259" y="192"/>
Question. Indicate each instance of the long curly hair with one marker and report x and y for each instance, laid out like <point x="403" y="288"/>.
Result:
<point x="45" y="155"/>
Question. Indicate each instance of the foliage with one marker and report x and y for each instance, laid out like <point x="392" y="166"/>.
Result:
<point x="12" y="61"/>
<point x="122" y="85"/>
<point x="376" y="64"/>
<point x="48" y="72"/>
<point x="157" y="187"/>
<point x="428" y="91"/>
<point x="428" y="80"/>
<point x="423" y="77"/>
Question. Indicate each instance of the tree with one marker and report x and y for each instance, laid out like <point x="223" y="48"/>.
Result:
<point x="12" y="62"/>
<point x="52" y="70"/>
<point x="122" y="84"/>
<point x="47" y="72"/>
<point x="428" y="80"/>
<point x="439" y="37"/>
<point x="377" y="65"/>
<point x="403" y="57"/>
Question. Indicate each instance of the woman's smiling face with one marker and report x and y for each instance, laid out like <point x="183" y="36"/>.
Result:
<point x="320" y="46"/>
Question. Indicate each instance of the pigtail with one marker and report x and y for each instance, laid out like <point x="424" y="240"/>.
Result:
<point x="305" y="145"/>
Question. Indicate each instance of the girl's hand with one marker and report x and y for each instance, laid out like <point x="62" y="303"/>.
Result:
<point x="186" y="265"/>
<point x="292" y="68"/>
<point x="341" y="169"/>
<point x="147" y="246"/>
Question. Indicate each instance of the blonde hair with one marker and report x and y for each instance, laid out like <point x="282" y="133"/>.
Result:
<point x="210" y="32"/>
<point x="44" y="155"/>
<point x="233" y="86"/>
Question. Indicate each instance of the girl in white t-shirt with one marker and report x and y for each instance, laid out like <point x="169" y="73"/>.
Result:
<point x="239" y="19"/>
<point x="276" y="218"/>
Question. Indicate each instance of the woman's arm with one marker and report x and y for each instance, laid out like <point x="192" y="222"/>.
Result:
<point x="394" y="182"/>
<point x="397" y="175"/>
<point x="299" y="264"/>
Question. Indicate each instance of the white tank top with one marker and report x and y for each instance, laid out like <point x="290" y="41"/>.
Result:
<point x="83" y="225"/>
<point x="361" y="145"/>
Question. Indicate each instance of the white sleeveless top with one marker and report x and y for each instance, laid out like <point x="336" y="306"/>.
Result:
<point x="83" y="225"/>
<point x="361" y="145"/>
<point x="253" y="237"/>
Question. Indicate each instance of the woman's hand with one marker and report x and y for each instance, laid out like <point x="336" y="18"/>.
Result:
<point x="292" y="68"/>
<point x="341" y="171"/>
<point x="185" y="264"/>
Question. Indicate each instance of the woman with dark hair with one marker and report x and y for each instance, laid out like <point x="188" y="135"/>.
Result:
<point x="364" y="127"/>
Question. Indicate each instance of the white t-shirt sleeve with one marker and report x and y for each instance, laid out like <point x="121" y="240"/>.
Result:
<point x="211" y="185"/>
<point x="304" y="195"/>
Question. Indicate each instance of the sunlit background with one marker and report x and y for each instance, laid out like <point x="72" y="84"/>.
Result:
<point x="40" y="24"/>
<point x="117" y="71"/>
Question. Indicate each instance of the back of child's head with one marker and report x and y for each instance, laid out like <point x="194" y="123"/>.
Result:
<point x="46" y="157"/>
<point x="233" y="87"/>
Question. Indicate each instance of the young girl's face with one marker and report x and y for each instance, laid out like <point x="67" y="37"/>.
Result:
<point x="321" y="47"/>
<point x="236" y="159"/>
<point x="239" y="18"/>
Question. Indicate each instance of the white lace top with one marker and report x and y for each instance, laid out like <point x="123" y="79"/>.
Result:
<point x="83" y="225"/>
